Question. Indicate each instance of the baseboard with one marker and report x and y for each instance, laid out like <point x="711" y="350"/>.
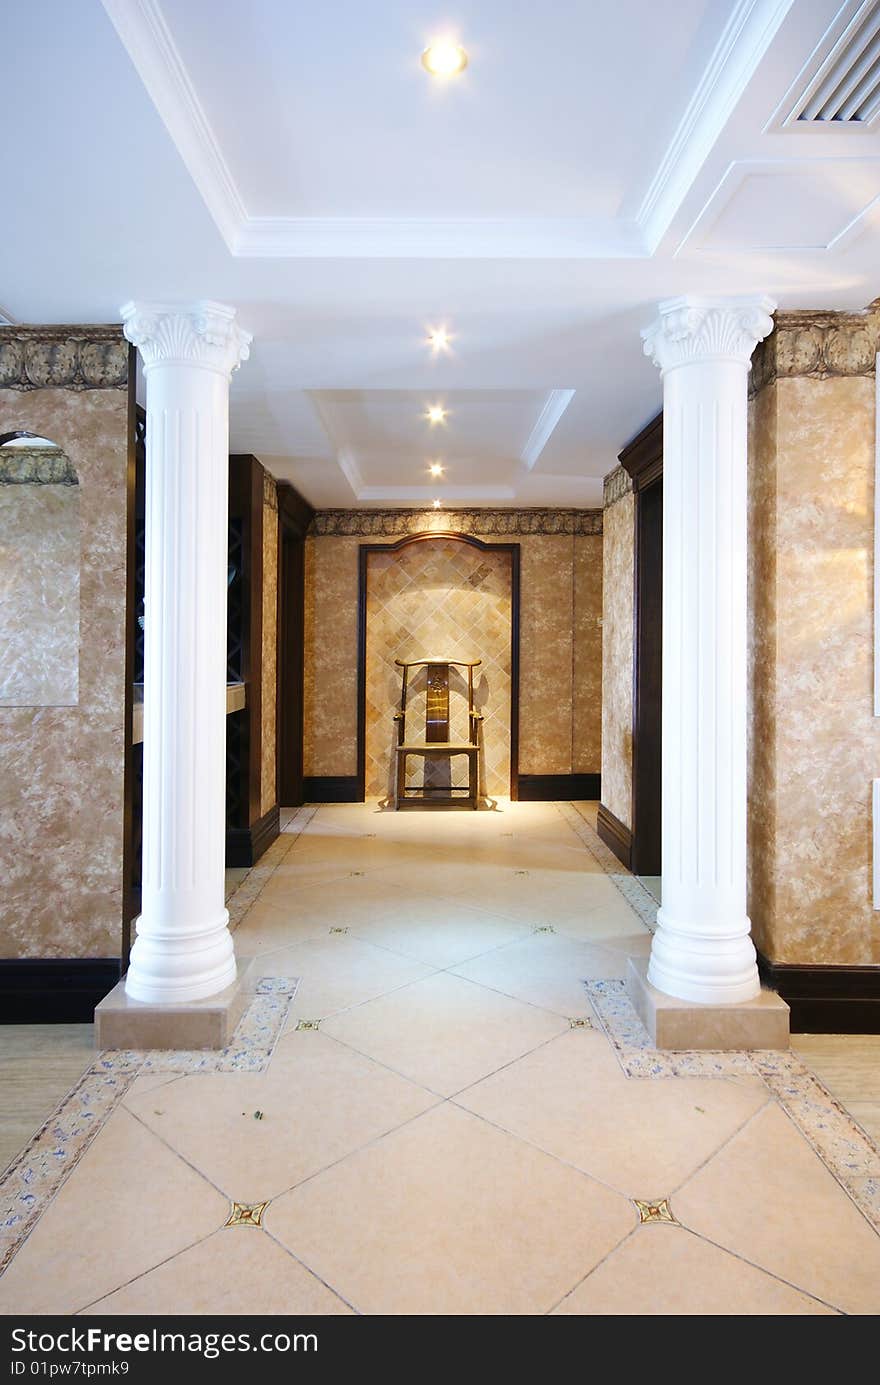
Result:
<point x="826" y="999"/>
<point x="331" y="788"/>
<point x="53" y="990"/>
<point x="614" y="834"/>
<point x="547" y="788"/>
<point x="245" y="845"/>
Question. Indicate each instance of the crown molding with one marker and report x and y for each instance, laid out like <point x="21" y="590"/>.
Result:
<point x="556" y="405"/>
<point x="63" y="357"/>
<point x="818" y="344"/>
<point x="338" y="523"/>
<point x="147" y="39"/>
<point x="747" y="35"/>
<point x="369" y="238"/>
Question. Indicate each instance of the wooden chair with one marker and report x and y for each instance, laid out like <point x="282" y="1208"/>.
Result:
<point x="437" y="743"/>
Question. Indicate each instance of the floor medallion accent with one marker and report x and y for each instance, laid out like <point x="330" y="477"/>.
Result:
<point x="655" y="1211"/>
<point x="307" y="1024"/>
<point x="247" y="1214"/>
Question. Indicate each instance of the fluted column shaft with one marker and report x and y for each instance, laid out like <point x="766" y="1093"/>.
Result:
<point x="183" y="949"/>
<point x="702" y="950"/>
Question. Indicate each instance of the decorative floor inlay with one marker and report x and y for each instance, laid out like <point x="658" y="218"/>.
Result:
<point x="35" y="1176"/>
<point x="308" y="1024"/>
<point x="337" y="931"/>
<point x="545" y="928"/>
<point x="637" y="896"/>
<point x="247" y="1214"/>
<point x="580" y="1023"/>
<point x="655" y="1211"/>
<point x="842" y="1145"/>
<point x="253" y="883"/>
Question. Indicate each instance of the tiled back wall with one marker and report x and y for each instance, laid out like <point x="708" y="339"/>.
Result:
<point x="442" y="599"/>
<point x="560" y="652"/>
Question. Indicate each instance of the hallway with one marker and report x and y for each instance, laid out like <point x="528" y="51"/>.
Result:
<point x="444" y="1118"/>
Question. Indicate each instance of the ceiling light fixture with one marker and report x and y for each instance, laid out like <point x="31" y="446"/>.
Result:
<point x="436" y="504"/>
<point x="443" y="58"/>
<point x="436" y="468"/>
<point x="436" y="413"/>
<point x="438" y="339"/>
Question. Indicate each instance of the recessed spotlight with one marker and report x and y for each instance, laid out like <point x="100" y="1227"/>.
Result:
<point x="443" y="58"/>
<point x="437" y="504"/>
<point x="438" y="339"/>
<point x="436" y="468"/>
<point x="436" y="413"/>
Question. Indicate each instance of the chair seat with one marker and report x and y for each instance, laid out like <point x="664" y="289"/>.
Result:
<point x="438" y="747"/>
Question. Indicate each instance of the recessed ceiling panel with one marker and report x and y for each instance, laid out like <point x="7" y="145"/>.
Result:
<point x="804" y="204"/>
<point x="325" y="110"/>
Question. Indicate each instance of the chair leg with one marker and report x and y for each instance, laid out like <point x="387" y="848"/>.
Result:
<point x="399" y="781"/>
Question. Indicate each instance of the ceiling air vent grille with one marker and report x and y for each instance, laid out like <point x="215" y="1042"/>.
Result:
<point x="845" y="89"/>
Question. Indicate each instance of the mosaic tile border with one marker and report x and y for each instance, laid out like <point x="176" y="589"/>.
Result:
<point x="637" y="895"/>
<point x="845" y="1149"/>
<point x="246" y="892"/>
<point x="35" y="1176"/>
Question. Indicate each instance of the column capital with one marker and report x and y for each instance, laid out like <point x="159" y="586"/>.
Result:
<point x="691" y="330"/>
<point x="195" y="334"/>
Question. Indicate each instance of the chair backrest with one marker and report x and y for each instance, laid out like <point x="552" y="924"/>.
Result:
<point x="437" y="695"/>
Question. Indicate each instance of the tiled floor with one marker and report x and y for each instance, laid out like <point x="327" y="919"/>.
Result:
<point x="453" y="1132"/>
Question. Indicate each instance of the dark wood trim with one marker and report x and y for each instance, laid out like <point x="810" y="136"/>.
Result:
<point x="541" y="788"/>
<point x="826" y="999"/>
<point x="332" y="788"/>
<point x="614" y="834"/>
<point x="52" y="990"/>
<point x="364" y="551"/>
<point x="642" y="459"/>
<point x="295" y="513"/>
<point x="246" y="503"/>
<point x="130" y="905"/>
<point x="294" y="518"/>
<point x="647" y="679"/>
<point x="245" y="845"/>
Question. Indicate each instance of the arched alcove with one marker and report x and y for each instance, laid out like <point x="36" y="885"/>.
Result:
<point x="39" y="573"/>
<point x="445" y="595"/>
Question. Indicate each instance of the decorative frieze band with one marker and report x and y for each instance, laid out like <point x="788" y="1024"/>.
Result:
<point x="70" y="358"/>
<point x="396" y="523"/>
<point x="616" y="485"/>
<point x="818" y="344"/>
<point x="36" y="466"/>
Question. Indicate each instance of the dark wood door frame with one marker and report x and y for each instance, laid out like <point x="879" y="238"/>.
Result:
<point x="294" y="517"/>
<point x="364" y="552"/>
<point x="643" y="461"/>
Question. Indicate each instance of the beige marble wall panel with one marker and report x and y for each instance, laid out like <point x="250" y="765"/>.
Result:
<point x="586" y="731"/>
<point x="617" y="656"/>
<point x="438" y="598"/>
<point x="827" y="740"/>
<point x="762" y="852"/>
<point x="331" y="656"/>
<point x="546" y="641"/>
<point x="39" y="595"/>
<point x="268" y="788"/>
<point x="61" y="768"/>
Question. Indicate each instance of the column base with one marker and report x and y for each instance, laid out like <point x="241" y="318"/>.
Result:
<point x="122" y="1022"/>
<point x="687" y="1024"/>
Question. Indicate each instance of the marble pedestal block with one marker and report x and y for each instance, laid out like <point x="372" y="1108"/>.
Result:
<point x="123" y="1022"/>
<point x="687" y="1024"/>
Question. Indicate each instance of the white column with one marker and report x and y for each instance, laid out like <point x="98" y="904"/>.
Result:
<point x="702" y="950"/>
<point x="184" y="949"/>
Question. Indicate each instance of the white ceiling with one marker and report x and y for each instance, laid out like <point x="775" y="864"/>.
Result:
<point x="297" y="162"/>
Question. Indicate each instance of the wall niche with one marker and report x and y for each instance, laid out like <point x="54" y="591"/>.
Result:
<point x="39" y="574"/>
